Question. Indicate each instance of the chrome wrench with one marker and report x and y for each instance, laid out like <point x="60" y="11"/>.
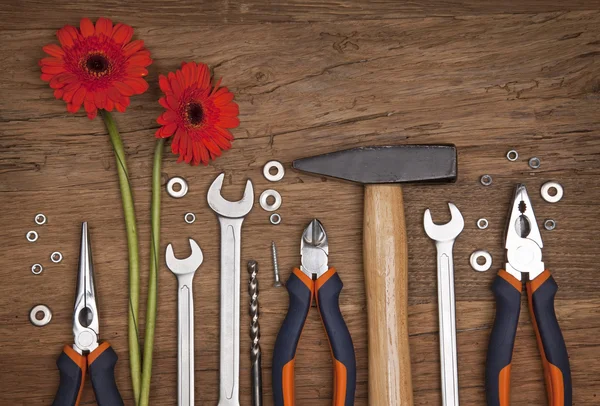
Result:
<point x="444" y="236"/>
<point x="184" y="270"/>
<point x="231" y="216"/>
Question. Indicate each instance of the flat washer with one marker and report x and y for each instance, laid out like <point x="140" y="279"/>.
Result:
<point x="482" y="223"/>
<point x="37" y="269"/>
<point x="546" y="189"/>
<point x="45" y="320"/>
<point x="177" y="180"/>
<point x="270" y="193"/>
<point x="56" y="257"/>
<point x="275" y="218"/>
<point x="512" y="155"/>
<point x="40" y="219"/>
<point x="189" y="218"/>
<point x="32" y="236"/>
<point x="486" y="180"/>
<point x="278" y="175"/>
<point x="483" y="267"/>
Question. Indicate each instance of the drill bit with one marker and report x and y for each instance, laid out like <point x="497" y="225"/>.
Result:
<point x="255" y="353"/>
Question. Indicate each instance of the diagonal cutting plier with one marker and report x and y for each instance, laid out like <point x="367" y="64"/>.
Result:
<point x="524" y="260"/>
<point x="86" y="353"/>
<point x="315" y="279"/>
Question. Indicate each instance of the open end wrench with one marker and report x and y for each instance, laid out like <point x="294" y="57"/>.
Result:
<point x="231" y="216"/>
<point x="184" y="270"/>
<point x="444" y="236"/>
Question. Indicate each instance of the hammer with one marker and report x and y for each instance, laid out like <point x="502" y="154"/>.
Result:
<point x="381" y="170"/>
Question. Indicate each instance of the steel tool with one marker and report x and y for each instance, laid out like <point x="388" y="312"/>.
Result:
<point x="184" y="270"/>
<point x="444" y="236"/>
<point x="231" y="216"/>
<point x="314" y="279"/>
<point x="255" y="352"/>
<point x="87" y="353"/>
<point x="524" y="262"/>
<point x="385" y="249"/>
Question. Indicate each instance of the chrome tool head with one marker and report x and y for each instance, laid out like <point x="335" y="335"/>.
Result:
<point x="314" y="250"/>
<point x="444" y="232"/>
<point x="226" y="208"/>
<point x="523" y="239"/>
<point x="85" y="315"/>
<point x="187" y="265"/>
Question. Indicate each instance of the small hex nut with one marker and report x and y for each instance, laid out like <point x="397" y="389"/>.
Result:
<point x="549" y="224"/>
<point x="482" y="223"/>
<point x="486" y="180"/>
<point x="535" y="163"/>
<point x="512" y="155"/>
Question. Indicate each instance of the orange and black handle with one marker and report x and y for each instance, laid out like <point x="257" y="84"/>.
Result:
<point x="553" y="350"/>
<point x="301" y="290"/>
<point x="507" y="290"/>
<point x="101" y="365"/>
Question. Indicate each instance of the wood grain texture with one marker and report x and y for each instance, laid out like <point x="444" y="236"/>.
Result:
<point x="309" y="78"/>
<point x="385" y="259"/>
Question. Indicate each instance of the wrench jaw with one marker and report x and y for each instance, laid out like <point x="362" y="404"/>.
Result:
<point x="444" y="232"/>
<point x="226" y="208"/>
<point x="185" y="266"/>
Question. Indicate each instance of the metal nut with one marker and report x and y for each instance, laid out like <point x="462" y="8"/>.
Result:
<point x="47" y="315"/>
<point x="547" y="187"/>
<point x="273" y="177"/>
<point x="486" y="180"/>
<point x="189" y="218"/>
<point x="32" y="236"/>
<point x="56" y="257"/>
<point x="482" y="223"/>
<point x="40" y="219"/>
<point x="481" y="254"/>
<point x="512" y="155"/>
<point x="183" y="187"/>
<point x="37" y="269"/>
<point x="275" y="218"/>
<point x="549" y="224"/>
<point x="535" y="162"/>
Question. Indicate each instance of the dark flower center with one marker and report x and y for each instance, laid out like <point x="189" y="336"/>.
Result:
<point x="195" y="113"/>
<point x="97" y="64"/>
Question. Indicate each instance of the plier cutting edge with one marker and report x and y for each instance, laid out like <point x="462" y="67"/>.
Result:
<point x="524" y="256"/>
<point x="314" y="279"/>
<point x="86" y="353"/>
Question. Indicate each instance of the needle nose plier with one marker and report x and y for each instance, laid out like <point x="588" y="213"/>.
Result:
<point x="314" y="279"/>
<point x="524" y="257"/>
<point x="86" y="353"/>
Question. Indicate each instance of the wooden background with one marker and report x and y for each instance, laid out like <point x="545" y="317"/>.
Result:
<point x="310" y="77"/>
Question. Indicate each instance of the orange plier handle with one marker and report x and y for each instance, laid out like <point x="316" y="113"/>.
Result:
<point x="551" y="344"/>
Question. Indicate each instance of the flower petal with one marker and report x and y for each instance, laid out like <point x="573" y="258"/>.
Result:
<point x="136" y="71"/>
<point x="137" y="84"/>
<point x="100" y="99"/>
<point x="133" y="47"/>
<point x="163" y="82"/>
<point x="140" y="59"/>
<point x="51" y="61"/>
<point x="67" y="35"/>
<point x="72" y="108"/>
<point x="125" y="90"/>
<point x="79" y="97"/>
<point x="54" y="50"/>
<point x="169" y="129"/>
<point x="87" y="27"/>
<point x="53" y="69"/>
<point x="104" y="26"/>
<point x="122" y="33"/>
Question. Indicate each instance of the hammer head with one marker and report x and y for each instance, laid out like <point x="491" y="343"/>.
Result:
<point x="386" y="164"/>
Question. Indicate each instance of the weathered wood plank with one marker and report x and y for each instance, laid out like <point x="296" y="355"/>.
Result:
<point x="487" y="82"/>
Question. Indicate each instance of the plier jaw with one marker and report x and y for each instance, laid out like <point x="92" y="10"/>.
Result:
<point x="314" y="250"/>
<point x="85" y="315"/>
<point x="523" y="239"/>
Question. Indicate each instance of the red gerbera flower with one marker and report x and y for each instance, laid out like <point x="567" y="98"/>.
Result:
<point x="198" y="114"/>
<point x="96" y="66"/>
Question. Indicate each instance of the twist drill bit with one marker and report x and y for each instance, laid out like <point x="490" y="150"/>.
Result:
<point x="255" y="353"/>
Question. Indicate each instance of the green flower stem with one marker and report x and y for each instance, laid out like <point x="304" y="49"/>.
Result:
<point x="132" y="244"/>
<point x="153" y="275"/>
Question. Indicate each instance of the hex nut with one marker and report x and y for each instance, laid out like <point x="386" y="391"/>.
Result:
<point x="512" y="155"/>
<point x="32" y="236"/>
<point x="482" y="223"/>
<point x="189" y="218"/>
<point x="486" y="180"/>
<point x="275" y="218"/>
<point x="535" y="162"/>
<point x="40" y="219"/>
<point x="549" y="224"/>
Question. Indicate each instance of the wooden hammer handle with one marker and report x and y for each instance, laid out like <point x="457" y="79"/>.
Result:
<point x="386" y="279"/>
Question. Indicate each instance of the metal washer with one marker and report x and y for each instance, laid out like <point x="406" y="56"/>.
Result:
<point x="56" y="257"/>
<point x="275" y="218"/>
<point x="485" y="266"/>
<point x="549" y="224"/>
<point x="45" y="320"/>
<point x="486" y="180"/>
<point x="270" y="193"/>
<point x="177" y="180"/>
<point x="189" y="218"/>
<point x="512" y="155"/>
<point x="546" y="189"/>
<point x="32" y="236"/>
<point x="37" y="269"/>
<point x="40" y="219"/>
<point x="278" y="175"/>
<point x="482" y="223"/>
